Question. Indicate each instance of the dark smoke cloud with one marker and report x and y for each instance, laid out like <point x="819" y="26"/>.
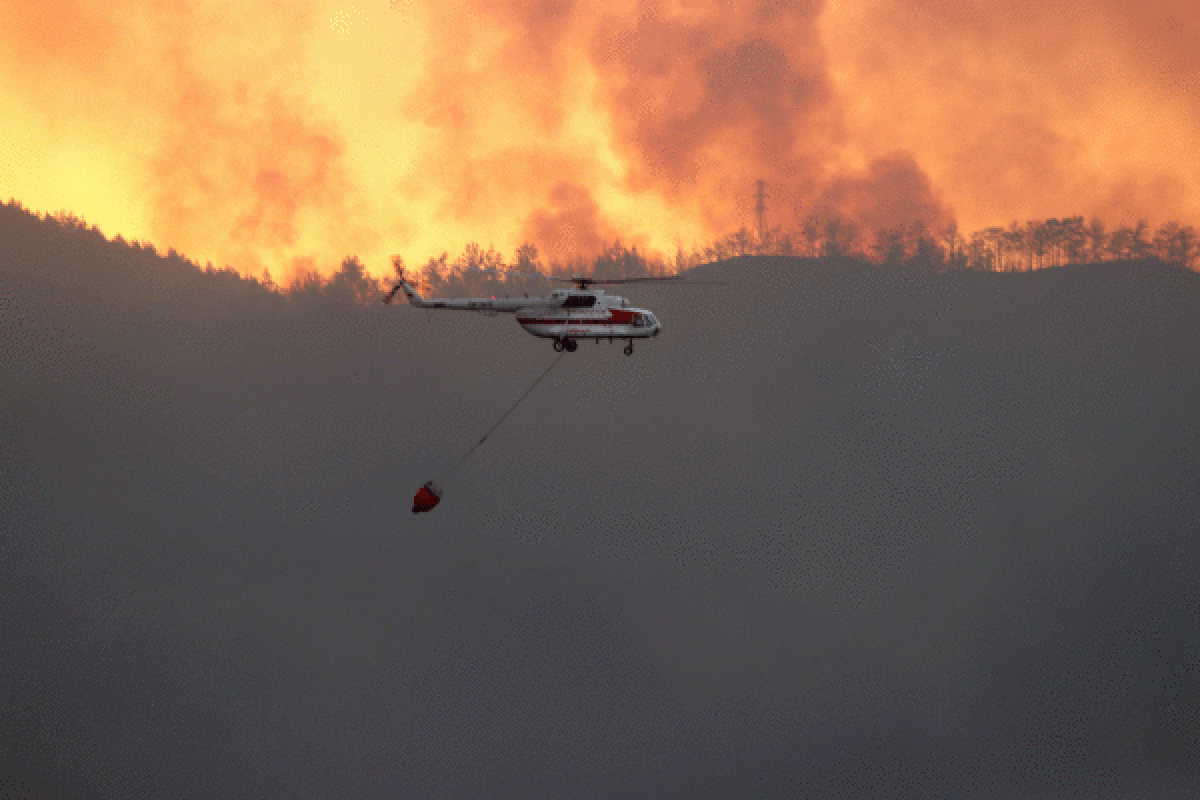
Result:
<point x="891" y="194"/>
<point x="705" y="105"/>
<point x="702" y="103"/>
<point x="1027" y="110"/>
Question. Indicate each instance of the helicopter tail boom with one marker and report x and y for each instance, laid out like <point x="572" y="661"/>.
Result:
<point x="484" y="305"/>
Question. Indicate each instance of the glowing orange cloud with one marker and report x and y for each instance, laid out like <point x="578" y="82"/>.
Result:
<point x="285" y="137"/>
<point x="1026" y="110"/>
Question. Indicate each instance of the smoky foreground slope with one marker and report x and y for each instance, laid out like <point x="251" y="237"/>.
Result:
<point x="837" y="533"/>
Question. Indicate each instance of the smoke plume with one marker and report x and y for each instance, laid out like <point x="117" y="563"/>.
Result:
<point x="285" y="139"/>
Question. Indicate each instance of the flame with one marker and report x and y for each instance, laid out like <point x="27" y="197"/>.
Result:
<point x="284" y="137"/>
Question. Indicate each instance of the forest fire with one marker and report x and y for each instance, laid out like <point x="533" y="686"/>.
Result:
<point x="282" y="139"/>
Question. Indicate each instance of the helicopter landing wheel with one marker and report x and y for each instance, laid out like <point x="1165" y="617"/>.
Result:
<point x="629" y="349"/>
<point x="559" y="345"/>
<point x="571" y="345"/>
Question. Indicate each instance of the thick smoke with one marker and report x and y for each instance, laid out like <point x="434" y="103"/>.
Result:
<point x="255" y="176"/>
<point x="572" y="225"/>
<point x="704" y="103"/>
<point x="890" y="195"/>
<point x="1025" y="110"/>
<point x="267" y="137"/>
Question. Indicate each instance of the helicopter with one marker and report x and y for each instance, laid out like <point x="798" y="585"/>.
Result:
<point x="565" y="315"/>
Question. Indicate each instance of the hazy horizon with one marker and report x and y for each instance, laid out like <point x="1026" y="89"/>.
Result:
<point x="841" y="531"/>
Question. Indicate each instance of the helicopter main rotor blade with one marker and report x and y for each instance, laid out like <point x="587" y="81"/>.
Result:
<point x="583" y="282"/>
<point x="499" y="271"/>
<point x="398" y="262"/>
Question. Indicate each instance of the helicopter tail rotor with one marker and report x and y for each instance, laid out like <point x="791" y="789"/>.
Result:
<point x="411" y="290"/>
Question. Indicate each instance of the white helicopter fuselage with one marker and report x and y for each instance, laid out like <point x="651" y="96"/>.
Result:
<point x="563" y="315"/>
<point x="588" y="314"/>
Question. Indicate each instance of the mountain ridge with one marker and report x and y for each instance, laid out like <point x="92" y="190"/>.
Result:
<point x="840" y="529"/>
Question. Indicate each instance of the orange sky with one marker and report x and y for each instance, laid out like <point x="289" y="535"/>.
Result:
<point x="259" y="136"/>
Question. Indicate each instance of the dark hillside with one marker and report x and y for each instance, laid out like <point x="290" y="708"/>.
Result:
<point x="839" y="532"/>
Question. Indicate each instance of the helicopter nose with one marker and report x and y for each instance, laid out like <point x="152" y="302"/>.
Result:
<point x="657" y="329"/>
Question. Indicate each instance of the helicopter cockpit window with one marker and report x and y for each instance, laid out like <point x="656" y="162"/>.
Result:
<point x="639" y="321"/>
<point x="579" y="301"/>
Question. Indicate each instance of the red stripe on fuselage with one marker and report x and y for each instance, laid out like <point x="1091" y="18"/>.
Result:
<point x="601" y="323"/>
<point x="615" y="317"/>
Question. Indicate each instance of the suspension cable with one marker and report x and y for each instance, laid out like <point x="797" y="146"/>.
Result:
<point x="492" y="429"/>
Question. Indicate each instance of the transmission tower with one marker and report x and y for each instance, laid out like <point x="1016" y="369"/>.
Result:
<point x="760" y="209"/>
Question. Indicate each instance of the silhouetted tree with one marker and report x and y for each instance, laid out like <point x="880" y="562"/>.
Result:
<point x="1015" y="247"/>
<point x="1097" y="240"/>
<point x="351" y="284"/>
<point x="474" y="257"/>
<point x="889" y="248"/>
<point x="812" y="233"/>
<point x="717" y="251"/>
<point x="924" y="254"/>
<point x="684" y="260"/>
<point x="1139" y="243"/>
<point x="1036" y="241"/>
<point x="982" y="251"/>
<point x="1175" y="244"/>
<point x="435" y="273"/>
<point x="995" y="242"/>
<point x="953" y="244"/>
<point x="1074" y="239"/>
<point x="1187" y="246"/>
<point x="841" y="237"/>
<point x="783" y="244"/>
<point x="619" y="262"/>
<point x="528" y="259"/>
<point x="1036" y="244"/>
<point x="741" y="242"/>
<point x="1120" y="243"/>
